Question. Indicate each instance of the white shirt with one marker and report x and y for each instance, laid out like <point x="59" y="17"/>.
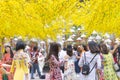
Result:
<point x="62" y="55"/>
<point x="93" y="74"/>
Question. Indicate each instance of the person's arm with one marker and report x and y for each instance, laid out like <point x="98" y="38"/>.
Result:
<point x="6" y="65"/>
<point x="78" y="57"/>
<point x="12" y="66"/>
<point x="65" y="65"/>
<point x="99" y="65"/>
<point x="115" y="48"/>
<point x="25" y="67"/>
<point x="81" y="62"/>
<point x="40" y="57"/>
<point x="53" y="59"/>
<point x="28" y="60"/>
<point x="76" y="54"/>
<point x="3" y="71"/>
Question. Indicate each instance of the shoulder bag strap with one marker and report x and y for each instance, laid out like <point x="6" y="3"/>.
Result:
<point x="85" y="57"/>
<point x="93" y="58"/>
<point x="94" y="65"/>
<point x="92" y="68"/>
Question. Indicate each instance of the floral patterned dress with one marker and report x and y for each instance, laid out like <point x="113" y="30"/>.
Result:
<point x="55" y="72"/>
<point x="109" y="73"/>
<point x="69" y="73"/>
<point x="20" y="65"/>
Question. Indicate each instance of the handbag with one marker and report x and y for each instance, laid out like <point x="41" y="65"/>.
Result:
<point x="116" y="67"/>
<point x="118" y="74"/>
<point x="46" y="67"/>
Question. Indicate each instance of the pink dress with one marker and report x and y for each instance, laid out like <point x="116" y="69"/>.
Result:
<point x="0" y="71"/>
<point x="55" y="72"/>
<point x="7" y="60"/>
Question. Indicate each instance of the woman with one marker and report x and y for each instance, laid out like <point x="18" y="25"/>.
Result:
<point x="19" y="62"/>
<point x="34" y="58"/>
<point x="93" y="57"/>
<point x="83" y="49"/>
<point x="55" y="72"/>
<point x="3" y="72"/>
<point x="109" y="73"/>
<point x="7" y="58"/>
<point x="69" y="73"/>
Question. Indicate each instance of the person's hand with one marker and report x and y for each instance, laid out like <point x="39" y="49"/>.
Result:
<point x="66" y="57"/>
<point x="30" y="64"/>
<point x="8" y="73"/>
<point x="26" y="76"/>
<point x="78" y="57"/>
<point x="116" y="46"/>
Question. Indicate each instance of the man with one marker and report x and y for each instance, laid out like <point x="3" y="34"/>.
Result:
<point x="34" y="58"/>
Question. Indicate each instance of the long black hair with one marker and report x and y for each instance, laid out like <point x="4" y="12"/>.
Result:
<point x="11" y="52"/>
<point x="69" y="50"/>
<point x="104" y="49"/>
<point x="85" y="47"/>
<point x="93" y="46"/>
<point x="20" y="45"/>
<point x="54" y="50"/>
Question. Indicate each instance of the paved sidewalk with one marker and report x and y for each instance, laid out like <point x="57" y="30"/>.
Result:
<point x="37" y="77"/>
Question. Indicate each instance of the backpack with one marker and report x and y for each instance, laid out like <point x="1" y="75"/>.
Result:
<point x="86" y="68"/>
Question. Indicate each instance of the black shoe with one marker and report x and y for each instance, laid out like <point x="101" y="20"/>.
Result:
<point x="42" y="77"/>
<point x="32" y="78"/>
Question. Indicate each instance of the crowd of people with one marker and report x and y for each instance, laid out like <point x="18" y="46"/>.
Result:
<point x="88" y="61"/>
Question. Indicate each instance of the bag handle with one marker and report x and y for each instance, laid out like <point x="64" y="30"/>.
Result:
<point x="95" y="63"/>
<point x="85" y="57"/>
<point x="92" y="68"/>
<point x="91" y="59"/>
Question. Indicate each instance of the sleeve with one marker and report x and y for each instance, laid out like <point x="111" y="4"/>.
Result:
<point x="12" y="67"/>
<point x="41" y="57"/>
<point x="24" y="62"/>
<point x="81" y="61"/>
<point x="28" y="58"/>
<point x="99" y="64"/>
<point x="4" y="58"/>
<point x="25" y="66"/>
